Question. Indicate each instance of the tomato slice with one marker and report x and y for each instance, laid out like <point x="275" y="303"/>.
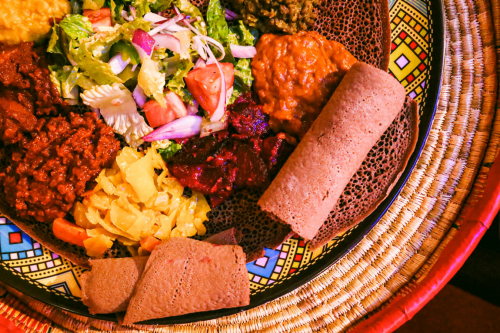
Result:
<point x="158" y="115"/>
<point x="204" y="84"/>
<point x="98" y="18"/>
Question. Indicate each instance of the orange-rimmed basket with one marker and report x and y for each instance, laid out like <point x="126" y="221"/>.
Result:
<point x="423" y="239"/>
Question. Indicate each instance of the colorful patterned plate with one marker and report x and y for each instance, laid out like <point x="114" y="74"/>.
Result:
<point x="416" y="61"/>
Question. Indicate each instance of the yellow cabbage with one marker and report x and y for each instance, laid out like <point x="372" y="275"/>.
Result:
<point x="140" y="175"/>
<point x="132" y="202"/>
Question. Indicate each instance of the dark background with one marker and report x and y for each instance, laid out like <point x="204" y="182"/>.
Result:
<point x="470" y="303"/>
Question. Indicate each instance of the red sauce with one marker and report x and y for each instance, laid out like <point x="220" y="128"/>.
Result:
<point x="295" y="76"/>
<point x="47" y="162"/>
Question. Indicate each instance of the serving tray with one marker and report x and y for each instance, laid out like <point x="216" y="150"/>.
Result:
<point x="416" y="61"/>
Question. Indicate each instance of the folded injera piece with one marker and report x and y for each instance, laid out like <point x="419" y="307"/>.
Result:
<point x="184" y="276"/>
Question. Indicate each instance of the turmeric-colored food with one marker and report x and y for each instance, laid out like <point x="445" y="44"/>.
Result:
<point x="136" y="205"/>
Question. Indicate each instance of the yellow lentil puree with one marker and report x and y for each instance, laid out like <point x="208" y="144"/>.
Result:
<point x="29" y="20"/>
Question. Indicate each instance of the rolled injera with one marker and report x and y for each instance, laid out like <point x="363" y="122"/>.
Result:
<point x="185" y="276"/>
<point x="315" y="175"/>
<point x="108" y="287"/>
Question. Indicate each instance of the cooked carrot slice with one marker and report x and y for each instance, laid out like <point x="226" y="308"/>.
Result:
<point x="69" y="232"/>
<point x="149" y="243"/>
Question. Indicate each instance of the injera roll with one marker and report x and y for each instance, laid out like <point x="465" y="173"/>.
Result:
<point x="313" y="178"/>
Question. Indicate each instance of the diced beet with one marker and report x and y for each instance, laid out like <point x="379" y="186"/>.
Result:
<point x="242" y="156"/>
<point x="275" y="152"/>
<point x="247" y="117"/>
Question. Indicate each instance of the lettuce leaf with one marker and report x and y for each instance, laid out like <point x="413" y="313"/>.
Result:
<point x="177" y="84"/>
<point x="141" y="7"/>
<point x="95" y="68"/>
<point x="67" y="78"/>
<point x="169" y="151"/>
<point x="186" y="7"/>
<point x="93" y="4"/>
<point x="241" y="35"/>
<point x="54" y="43"/>
<point x="217" y="27"/>
<point x="127" y="51"/>
<point x="93" y="53"/>
<point x="243" y="79"/>
<point x="161" y="5"/>
<point x="76" y="26"/>
<point x="116" y="11"/>
<point x="152" y="81"/>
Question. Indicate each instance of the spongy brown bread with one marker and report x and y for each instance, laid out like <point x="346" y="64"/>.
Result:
<point x="184" y="276"/>
<point x="374" y="180"/>
<point x="362" y="26"/>
<point x="308" y="186"/>
<point x="108" y="287"/>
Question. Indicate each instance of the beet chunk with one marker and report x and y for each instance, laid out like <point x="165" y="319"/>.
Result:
<point x="245" y="155"/>
<point x="275" y="151"/>
<point x="247" y="117"/>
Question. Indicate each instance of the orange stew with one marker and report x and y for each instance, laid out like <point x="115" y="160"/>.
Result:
<point x="295" y="76"/>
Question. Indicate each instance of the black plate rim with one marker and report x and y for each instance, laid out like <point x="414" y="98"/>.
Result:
<point x="69" y="304"/>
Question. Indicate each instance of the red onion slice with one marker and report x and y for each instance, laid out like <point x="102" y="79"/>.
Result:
<point x="139" y="96"/>
<point x="97" y="112"/>
<point x="126" y="17"/>
<point x="230" y="15"/>
<point x="199" y="47"/>
<point x="181" y="128"/>
<point x="133" y="12"/>
<point x="175" y="28"/>
<point x="141" y="51"/>
<point x="192" y="109"/>
<point x="240" y="51"/>
<point x="168" y="42"/>
<point x="166" y="24"/>
<point x="117" y="64"/>
<point x="208" y="127"/>
<point x="200" y="63"/>
<point x="143" y="40"/>
<point x="207" y="39"/>
<point x="153" y="18"/>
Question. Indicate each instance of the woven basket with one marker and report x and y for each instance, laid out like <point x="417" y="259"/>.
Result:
<point x="420" y="242"/>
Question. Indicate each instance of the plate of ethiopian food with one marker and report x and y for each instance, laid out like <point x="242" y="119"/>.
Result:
<point x="168" y="161"/>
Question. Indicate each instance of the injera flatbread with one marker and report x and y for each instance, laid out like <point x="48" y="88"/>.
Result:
<point x="363" y="26"/>
<point x="108" y="287"/>
<point x="360" y="198"/>
<point x="184" y="276"/>
<point x="378" y="174"/>
<point x="313" y="178"/>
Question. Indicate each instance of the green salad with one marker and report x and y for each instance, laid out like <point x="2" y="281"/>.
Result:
<point x="153" y="70"/>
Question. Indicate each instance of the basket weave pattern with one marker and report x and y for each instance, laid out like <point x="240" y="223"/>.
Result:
<point x="401" y="248"/>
